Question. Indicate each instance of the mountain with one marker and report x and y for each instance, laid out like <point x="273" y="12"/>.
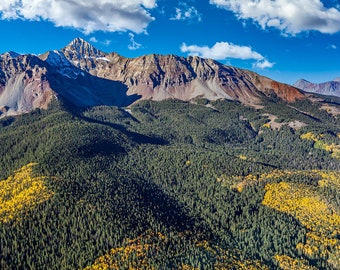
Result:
<point x="23" y="83"/>
<point x="86" y="76"/>
<point x="331" y="88"/>
<point x="172" y="181"/>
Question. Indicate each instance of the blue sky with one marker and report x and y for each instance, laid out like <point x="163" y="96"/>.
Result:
<point x="283" y="39"/>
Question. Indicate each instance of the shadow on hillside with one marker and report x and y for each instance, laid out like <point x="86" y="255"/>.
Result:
<point x="164" y="208"/>
<point x="134" y="136"/>
<point x="86" y="90"/>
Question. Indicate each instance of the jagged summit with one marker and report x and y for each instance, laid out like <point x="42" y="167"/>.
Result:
<point x="82" y="54"/>
<point x="10" y="54"/>
<point x="81" y="48"/>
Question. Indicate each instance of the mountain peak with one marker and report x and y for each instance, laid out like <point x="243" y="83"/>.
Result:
<point x="11" y="54"/>
<point x="82" y="54"/>
<point x="79" y="43"/>
<point x="82" y="49"/>
<point x="302" y="81"/>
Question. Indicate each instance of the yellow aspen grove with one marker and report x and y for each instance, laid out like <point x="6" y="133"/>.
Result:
<point x="303" y="202"/>
<point x="333" y="149"/>
<point x="21" y="192"/>
<point x="287" y="263"/>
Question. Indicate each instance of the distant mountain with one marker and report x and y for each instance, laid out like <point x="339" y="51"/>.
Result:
<point x="86" y="76"/>
<point x="327" y="88"/>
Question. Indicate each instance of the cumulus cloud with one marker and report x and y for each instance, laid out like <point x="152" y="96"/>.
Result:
<point x="184" y="12"/>
<point x="289" y="16"/>
<point x="133" y="44"/>
<point x="105" y="42"/>
<point x="94" y="39"/>
<point x="222" y="50"/>
<point x="225" y="50"/>
<point x="262" y="64"/>
<point x="85" y="15"/>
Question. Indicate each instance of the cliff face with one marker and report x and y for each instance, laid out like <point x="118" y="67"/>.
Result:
<point x="86" y="76"/>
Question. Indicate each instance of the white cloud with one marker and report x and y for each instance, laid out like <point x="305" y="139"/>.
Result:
<point x="105" y="42"/>
<point x="94" y="40"/>
<point x="221" y="51"/>
<point x="184" y="12"/>
<point x="262" y="64"/>
<point x="225" y="50"/>
<point x="85" y="15"/>
<point x="133" y="44"/>
<point x="289" y="16"/>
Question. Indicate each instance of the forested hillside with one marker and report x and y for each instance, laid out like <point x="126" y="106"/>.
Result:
<point x="172" y="185"/>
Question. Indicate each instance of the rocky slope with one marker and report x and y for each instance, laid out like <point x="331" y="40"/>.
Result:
<point x="86" y="76"/>
<point x="327" y="88"/>
<point x="23" y="84"/>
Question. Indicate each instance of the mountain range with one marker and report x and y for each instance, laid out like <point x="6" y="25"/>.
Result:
<point x="163" y="162"/>
<point x="86" y="76"/>
<point x="331" y="88"/>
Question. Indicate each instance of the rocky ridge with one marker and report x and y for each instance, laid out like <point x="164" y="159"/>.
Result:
<point x="331" y="88"/>
<point x="86" y="76"/>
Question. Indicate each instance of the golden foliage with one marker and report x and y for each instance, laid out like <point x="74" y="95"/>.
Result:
<point x="238" y="183"/>
<point x="21" y="192"/>
<point x="243" y="157"/>
<point x="309" y="136"/>
<point x="230" y="259"/>
<point x="134" y="254"/>
<point x="187" y="267"/>
<point x="304" y="203"/>
<point x="287" y="263"/>
<point x="334" y="149"/>
<point x="266" y="125"/>
<point x="329" y="178"/>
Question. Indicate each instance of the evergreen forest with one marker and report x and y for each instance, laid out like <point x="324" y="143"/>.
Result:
<point x="172" y="185"/>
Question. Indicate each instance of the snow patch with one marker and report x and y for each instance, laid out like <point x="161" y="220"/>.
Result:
<point x="57" y="58"/>
<point x="103" y="59"/>
<point x="64" y="66"/>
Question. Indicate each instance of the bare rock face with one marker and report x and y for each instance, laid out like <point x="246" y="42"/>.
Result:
<point x="82" y="54"/>
<point x="23" y="84"/>
<point x="86" y="76"/>
<point x="327" y="88"/>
